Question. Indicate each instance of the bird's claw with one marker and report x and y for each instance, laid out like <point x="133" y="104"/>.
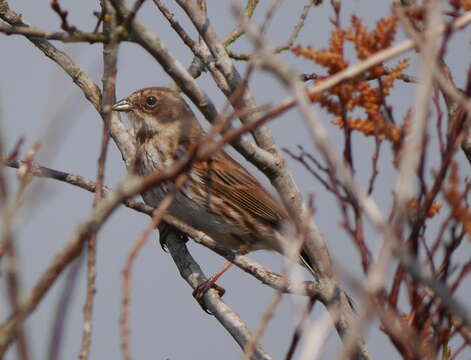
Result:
<point x="164" y="230"/>
<point x="202" y="288"/>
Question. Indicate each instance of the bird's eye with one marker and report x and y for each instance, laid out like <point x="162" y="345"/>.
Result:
<point x="151" y="100"/>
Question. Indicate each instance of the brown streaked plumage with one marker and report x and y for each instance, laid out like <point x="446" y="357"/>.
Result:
<point x="220" y="197"/>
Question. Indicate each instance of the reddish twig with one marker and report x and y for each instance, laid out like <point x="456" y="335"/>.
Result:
<point x="127" y="276"/>
<point x="374" y="166"/>
<point x="63" y="16"/>
<point x="298" y="331"/>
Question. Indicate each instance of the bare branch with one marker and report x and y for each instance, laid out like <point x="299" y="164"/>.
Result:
<point x="289" y="43"/>
<point x="339" y="306"/>
<point x="76" y="36"/>
<point x="191" y="272"/>
<point x="91" y="91"/>
<point x="251" y="267"/>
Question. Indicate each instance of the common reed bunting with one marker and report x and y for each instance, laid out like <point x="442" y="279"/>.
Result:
<point x="220" y="197"/>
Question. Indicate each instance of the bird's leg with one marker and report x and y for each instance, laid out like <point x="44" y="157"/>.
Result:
<point x="164" y="230"/>
<point x="201" y="289"/>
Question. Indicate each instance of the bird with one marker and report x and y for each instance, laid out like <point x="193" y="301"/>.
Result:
<point x="220" y="197"/>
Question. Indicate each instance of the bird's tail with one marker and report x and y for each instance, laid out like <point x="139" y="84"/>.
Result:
<point x="288" y="231"/>
<point x="309" y="263"/>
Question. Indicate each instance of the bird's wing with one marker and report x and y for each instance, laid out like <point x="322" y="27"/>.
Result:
<point x="228" y="179"/>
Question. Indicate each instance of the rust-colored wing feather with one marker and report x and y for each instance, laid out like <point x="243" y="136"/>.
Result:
<point x="226" y="177"/>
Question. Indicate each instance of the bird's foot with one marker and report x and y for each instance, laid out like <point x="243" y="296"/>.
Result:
<point x="202" y="288"/>
<point x="164" y="230"/>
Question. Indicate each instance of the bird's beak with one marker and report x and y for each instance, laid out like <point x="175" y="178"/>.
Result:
<point x="123" y="105"/>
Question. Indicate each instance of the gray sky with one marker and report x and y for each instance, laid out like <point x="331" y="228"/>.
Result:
<point x="38" y="101"/>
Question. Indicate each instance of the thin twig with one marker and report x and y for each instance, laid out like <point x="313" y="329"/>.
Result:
<point x="374" y="166"/>
<point x="91" y="91"/>
<point x="289" y="43"/>
<point x="238" y="31"/>
<point x="76" y="36"/>
<point x="110" y="53"/>
<point x="261" y="273"/>
<point x="127" y="276"/>
<point x="293" y="249"/>
<point x="341" y="311"/>
<point x="8" y="246"/>
<point x="298" y="331"/>
<point x="61" y="310"/>
<point x="84" y="230"/>
<point x="193" y="275"/>
<point x="63" y="16"/>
